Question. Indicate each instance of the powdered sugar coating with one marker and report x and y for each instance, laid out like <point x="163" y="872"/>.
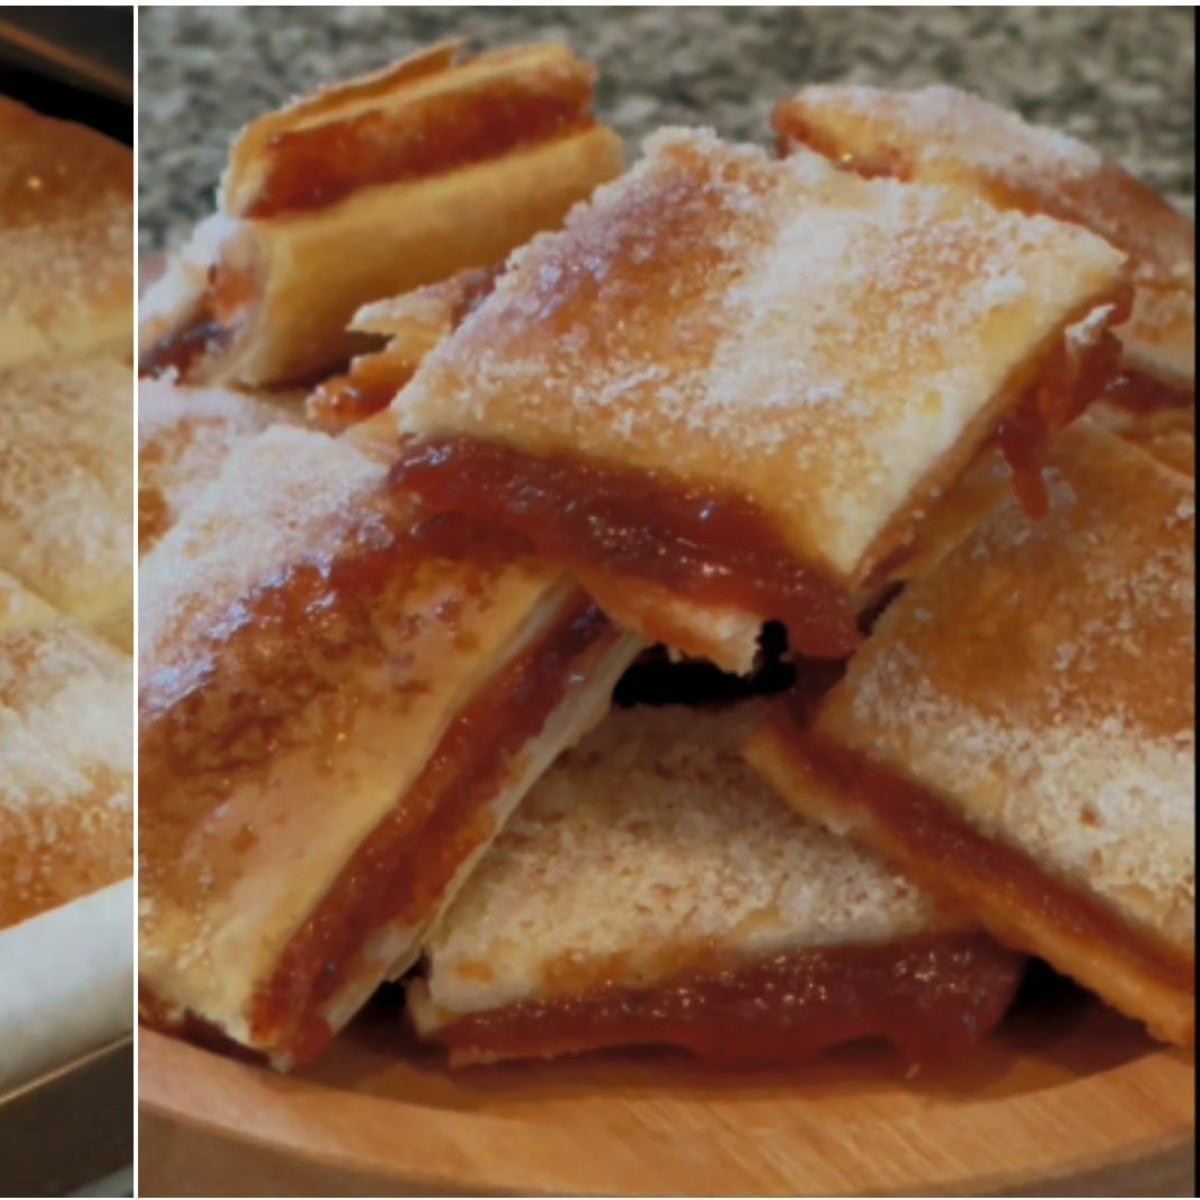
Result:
<point x="942" y="135"/>
<point x="184" y="434"/>
<point x="786" y="333"/>
<point x="944" y="121"/>
<point x="66" y="744"/>
<point x="1040" y="680"/>
<point x="66" y="286"/>
<point x="649" y="846"/>
<point x="246" y="529"/>
<point x="301" y="656"/>
<point x="66" y="482"/>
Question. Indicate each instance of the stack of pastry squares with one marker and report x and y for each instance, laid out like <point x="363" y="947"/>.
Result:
<point x="66" y="513"/>
<point x="917" y="421"/>
<point x="342" y="700"/>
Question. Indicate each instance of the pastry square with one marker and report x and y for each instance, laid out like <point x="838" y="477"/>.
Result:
<point x="367" y="189"/>
<point x="339" y="705"/>
<point x="651" y="889"/>
<point x="944" y="136"/>
<point x="1018" y="731"/>
<point x="730" y="387"/>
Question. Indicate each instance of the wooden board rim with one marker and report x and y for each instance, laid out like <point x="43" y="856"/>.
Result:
<point x="1054" y="1134"/>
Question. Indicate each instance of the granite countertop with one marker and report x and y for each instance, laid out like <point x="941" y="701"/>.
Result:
<point x="1121" y="78"/>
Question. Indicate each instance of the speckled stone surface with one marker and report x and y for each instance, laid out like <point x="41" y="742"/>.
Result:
<point x="1121" y="78"/>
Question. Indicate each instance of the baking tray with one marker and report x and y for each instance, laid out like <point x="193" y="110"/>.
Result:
<point x="69" y="1127"/>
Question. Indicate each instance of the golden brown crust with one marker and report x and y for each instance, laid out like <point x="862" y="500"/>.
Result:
<point x="423" y="114"/>
<point x="1167" y="433"/>
<point x="66" y="787"/>
<point x="941" y="135"/>
<point x="830" y="351"/>
<point x="20" y="608"/>
<point x="184" y="434"/>
<point x="420" y="319"/>
<point x="52" y="170"/>
<point x="1038" y="684"/>
<point x="291" y="622"/>
<point x="66" y="487"/>
<point x="265" y="292"/>
<point x="413" y="323"/>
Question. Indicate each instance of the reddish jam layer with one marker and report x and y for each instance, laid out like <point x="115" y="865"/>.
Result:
<point x="949" y="857"/>
<point x="400" y="872"/>
<point x="315" y="167"/>
<point x="366" y="389"/>
<point x="1066" y="385"/>
<point x="211" y="328"/>
<point x="927" y="995"/>
<point x="711" y="548"/>
<point x="1023" y="438"/>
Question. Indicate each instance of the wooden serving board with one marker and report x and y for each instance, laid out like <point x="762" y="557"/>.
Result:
<point x="1067" y="1098"/>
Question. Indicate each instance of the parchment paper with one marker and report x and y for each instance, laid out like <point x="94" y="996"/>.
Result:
<point x="66" y="983"/>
